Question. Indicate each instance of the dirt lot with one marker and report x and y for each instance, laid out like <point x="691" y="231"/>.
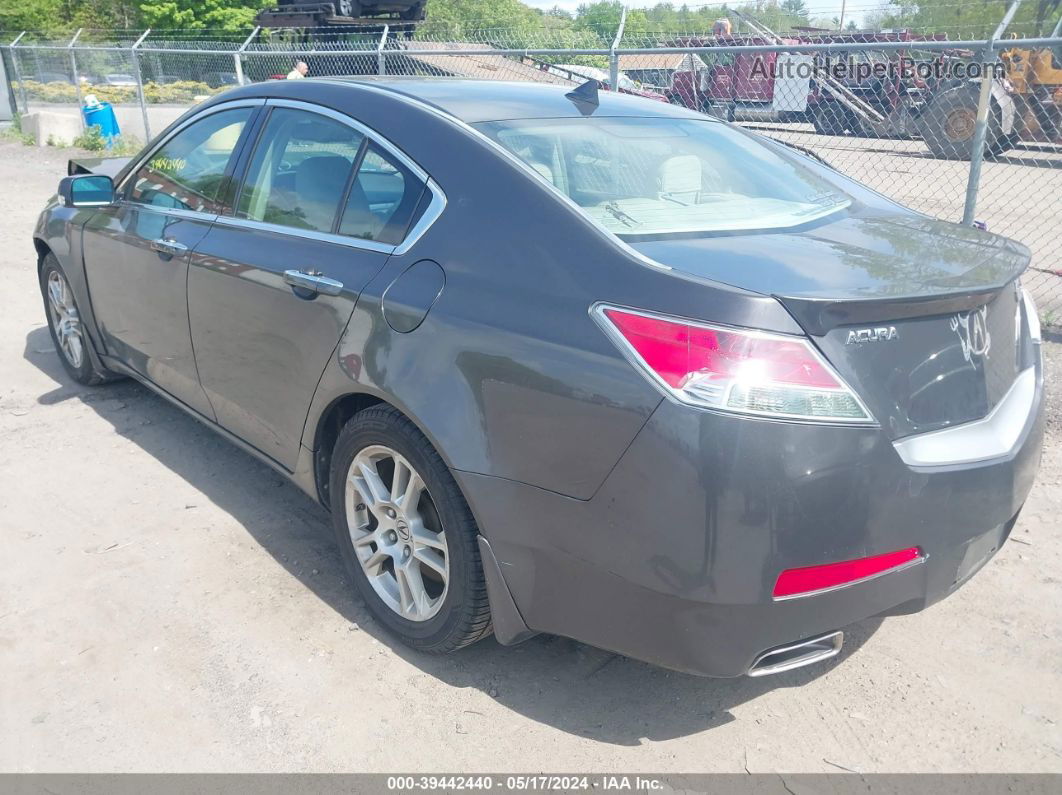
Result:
<point x="167" y="603"/>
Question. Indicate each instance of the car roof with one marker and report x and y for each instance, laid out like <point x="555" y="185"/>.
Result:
<point x="474" y="101"/>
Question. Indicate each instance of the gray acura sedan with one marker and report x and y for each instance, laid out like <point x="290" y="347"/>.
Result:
<point x="565" y="362"/>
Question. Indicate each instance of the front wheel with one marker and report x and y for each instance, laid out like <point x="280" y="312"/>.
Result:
<point x="406" y="534"/>
<point x="64" y="323"/>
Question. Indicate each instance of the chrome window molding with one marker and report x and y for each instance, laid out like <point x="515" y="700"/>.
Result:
<point x="994" y="436"/>
<point x="175" y="212"/>
<point x="427" y="218"/>
<point x="309" y="234"/>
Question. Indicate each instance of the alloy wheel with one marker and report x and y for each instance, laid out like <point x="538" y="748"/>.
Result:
<point x="65" y="319"/>
<point x="396" y="532"/>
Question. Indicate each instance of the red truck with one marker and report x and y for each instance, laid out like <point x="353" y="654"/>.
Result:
<point x="861" y="92"/>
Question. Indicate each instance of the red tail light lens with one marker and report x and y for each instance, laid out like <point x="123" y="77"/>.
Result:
<point x="806" y="581"/>
<point x="730" y="369"/>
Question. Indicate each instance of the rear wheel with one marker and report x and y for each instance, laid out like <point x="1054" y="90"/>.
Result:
<point x="406" y="534"/>
<point x="64" y="323"/>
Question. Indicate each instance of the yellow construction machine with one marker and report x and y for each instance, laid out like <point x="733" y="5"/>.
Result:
<point x="1035" y="76"/>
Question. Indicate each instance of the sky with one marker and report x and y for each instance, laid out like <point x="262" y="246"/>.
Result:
<point x="818" y="8"/>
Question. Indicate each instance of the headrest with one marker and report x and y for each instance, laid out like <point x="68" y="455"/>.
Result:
<point x="680" y="174"/>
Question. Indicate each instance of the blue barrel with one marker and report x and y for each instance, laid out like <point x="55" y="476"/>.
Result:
<point x="102" y="116"/>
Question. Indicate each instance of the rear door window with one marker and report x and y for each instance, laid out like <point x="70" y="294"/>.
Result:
<point x="300" y="170"/>
<point x="383" y="199"/>
<point x="189" y="171"/>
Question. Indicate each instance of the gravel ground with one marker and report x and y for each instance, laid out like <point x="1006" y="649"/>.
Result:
<point x="169" y="604"/>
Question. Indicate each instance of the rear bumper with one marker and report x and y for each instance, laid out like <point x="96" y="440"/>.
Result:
<point x="674" y="559"/>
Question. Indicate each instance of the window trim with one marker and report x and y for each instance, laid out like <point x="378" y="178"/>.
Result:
<point x="427" y="218"/>
<point x="124" y="184"/>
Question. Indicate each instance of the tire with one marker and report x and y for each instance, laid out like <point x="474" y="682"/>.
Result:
<point x="64" y="323"/>
<point x="948" y="126"/>
<point x="454" y="611"/>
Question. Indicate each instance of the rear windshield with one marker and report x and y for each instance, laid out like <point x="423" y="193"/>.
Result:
<point x="660" y="176"/>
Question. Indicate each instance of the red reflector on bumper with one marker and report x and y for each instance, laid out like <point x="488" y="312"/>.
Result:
<point x="802" y="582"/>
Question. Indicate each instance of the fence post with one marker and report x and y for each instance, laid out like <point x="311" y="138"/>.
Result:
<point x="613" y="57"/>
<point x="140" y="83"/>
<point x="984" y="102"/>
<point x="238" y="57"/>
<point x="381" y="59"/>
<point x="77" y="82"/>
<point x="1058" y="29"/>
<point x="18" y="71"/>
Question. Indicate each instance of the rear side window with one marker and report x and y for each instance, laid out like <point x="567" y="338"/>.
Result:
<point x="300" y="170"/>
<point x="383" y="199"/>
<point x="188" y="172"/>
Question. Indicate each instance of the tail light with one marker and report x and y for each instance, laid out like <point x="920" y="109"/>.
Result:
<point x="816" y="579"/>
<point x="735" y="370"/>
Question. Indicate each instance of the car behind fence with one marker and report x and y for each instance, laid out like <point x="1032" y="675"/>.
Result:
<point x="967" y="130"/>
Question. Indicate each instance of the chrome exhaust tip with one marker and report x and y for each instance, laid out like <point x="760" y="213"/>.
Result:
<point x="797" y="655"/>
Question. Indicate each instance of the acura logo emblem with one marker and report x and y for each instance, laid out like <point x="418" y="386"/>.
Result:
<point x="879" y="334"/>
<point x="972" y="328"/>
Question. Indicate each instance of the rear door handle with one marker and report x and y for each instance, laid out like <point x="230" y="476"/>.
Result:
<point x="313" y="281"/>
<point x="170" y="247"/>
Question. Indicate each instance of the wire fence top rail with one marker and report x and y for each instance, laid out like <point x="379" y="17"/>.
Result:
<point x="710" y="45"/>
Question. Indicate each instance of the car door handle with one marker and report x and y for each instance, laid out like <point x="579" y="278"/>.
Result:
<point x="313" y="281"/>
<point x="170" y="247"/>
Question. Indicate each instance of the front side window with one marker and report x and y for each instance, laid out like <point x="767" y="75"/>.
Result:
<point x="660" y="176"/>
<point x="188" y="172"/>
<point x="300" y="170"/>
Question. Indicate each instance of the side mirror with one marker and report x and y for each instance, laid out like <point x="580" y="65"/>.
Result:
<point x="86" y="190"/>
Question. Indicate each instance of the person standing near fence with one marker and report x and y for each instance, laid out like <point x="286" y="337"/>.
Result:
<point x="299" y="72"/>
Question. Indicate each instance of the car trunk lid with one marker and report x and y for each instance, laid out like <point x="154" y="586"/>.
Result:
<point x="920" y="317"/>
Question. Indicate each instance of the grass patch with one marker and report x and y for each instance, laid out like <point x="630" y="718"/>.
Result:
<point x="15" y="133"/>
<point x="92" y="140"/>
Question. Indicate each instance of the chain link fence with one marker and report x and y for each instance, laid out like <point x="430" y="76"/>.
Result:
<point x="964" y="127"/>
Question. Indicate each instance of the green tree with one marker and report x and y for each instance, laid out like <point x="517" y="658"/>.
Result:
<point x="460" y="19"/>
<point x="973" y="19"/>
<point x="796" y="9"/>
<point x="60" y="16"/>
<point x="228" y="16"/>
